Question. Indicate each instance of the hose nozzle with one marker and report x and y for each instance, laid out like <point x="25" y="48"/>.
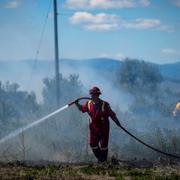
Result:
<point x="78" y="99"/>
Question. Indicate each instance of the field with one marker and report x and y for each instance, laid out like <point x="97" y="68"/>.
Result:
<point x="89" y="171"/>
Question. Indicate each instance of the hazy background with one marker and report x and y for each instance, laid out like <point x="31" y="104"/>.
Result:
<point x="130" y="49"/>
<point x="142" y="94"/>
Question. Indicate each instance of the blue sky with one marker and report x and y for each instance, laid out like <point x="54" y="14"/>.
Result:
<point x="145" y="29"/>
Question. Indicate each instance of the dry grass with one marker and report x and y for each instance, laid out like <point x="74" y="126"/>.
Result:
<point x="88" y="171"/>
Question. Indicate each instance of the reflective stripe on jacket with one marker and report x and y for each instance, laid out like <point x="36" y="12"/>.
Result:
<point x="98" y="112"/>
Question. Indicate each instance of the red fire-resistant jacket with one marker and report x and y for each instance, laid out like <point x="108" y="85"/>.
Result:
<point x="99" y="113"/>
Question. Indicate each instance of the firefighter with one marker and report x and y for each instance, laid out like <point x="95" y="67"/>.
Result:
<point x="99" y="112"/>
<point x="176" y="112"/>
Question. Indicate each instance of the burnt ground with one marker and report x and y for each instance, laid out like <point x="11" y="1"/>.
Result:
<point x="119" y="170"/>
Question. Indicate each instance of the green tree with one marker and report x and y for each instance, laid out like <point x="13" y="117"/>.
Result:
<point x="70" y="89"/>
<point x="139" y="76"/>
<point x="16" y="106"/>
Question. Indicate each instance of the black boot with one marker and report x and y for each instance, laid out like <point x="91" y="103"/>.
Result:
<point x="103" y="155"/>
<point x="97" y="152"/>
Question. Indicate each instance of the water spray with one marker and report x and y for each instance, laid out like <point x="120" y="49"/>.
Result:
<point x="35" y="123"/>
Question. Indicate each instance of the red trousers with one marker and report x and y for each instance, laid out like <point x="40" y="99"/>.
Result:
<point x="99" y="135"/>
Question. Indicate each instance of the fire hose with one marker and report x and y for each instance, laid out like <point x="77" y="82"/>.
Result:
<point x="22" y="129"/>
<point x="147" y="145"/>
<point x="82" y="98"/>
<point x="136" y="138"/>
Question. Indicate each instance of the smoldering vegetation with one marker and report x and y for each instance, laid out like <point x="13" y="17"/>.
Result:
<point x="137" y="93"/>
